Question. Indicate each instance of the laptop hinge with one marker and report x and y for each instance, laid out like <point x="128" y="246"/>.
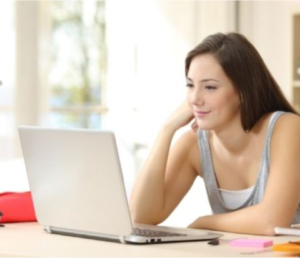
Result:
<point x="47" y="229"/>
<point x="122" y="239"/>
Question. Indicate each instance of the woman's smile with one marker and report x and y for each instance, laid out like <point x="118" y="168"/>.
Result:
<point x="201" y="113"/>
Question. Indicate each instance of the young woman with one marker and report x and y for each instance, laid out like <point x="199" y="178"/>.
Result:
<point x="245" y="144"/>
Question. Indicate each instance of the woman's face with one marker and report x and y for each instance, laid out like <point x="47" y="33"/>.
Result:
<point x="211" y="95"/>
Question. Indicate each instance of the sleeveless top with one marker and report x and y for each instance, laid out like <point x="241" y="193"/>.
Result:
<point x="216" y="202"/>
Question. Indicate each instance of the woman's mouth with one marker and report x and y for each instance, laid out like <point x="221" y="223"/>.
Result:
<point x="201" y="113"/>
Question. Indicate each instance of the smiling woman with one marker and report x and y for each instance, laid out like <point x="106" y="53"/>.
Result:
<point x="242" y="124"/>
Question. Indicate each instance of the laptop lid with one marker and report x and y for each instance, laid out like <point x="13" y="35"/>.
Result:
<point x="76" y="179"/>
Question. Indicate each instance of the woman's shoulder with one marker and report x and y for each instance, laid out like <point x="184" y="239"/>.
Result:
<point x="280" y="124"/>
<point x="287" y="128"/>
<point x="282" y="120"/>
<point x="288" y="121"/>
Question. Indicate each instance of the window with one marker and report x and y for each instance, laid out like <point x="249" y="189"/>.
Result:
<point x="7" y="65"/>
<point x="78" y="64"/>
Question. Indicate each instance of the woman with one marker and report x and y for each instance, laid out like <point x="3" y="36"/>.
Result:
<point x="245" y="144"/>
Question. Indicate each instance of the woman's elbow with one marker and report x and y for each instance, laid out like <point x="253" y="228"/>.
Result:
<point x="269" y="228"/>
<point x="141" y="218"/>
<point x="269" y="231"/>
<point x="137" y="219"/>
<point x="142" y="215"/>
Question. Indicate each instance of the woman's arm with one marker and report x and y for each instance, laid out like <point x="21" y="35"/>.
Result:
<point x="252" y="220"/>
<point x="282" y="194"/>
<point x="167" y="174"/>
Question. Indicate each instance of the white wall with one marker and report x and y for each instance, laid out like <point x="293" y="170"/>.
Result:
<point x="215" y="16"/>
<point x="146" y="65"/>
<point x="269" y="27"/>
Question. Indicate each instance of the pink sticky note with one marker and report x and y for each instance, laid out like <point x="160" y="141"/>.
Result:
<point x="251" y="243"/>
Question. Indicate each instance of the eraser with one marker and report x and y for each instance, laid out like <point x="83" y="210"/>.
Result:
<point x="251" y="243"/>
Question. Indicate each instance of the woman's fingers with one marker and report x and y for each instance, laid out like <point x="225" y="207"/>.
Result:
<point x="181" y="116"/>
<point x="194" y="126"/>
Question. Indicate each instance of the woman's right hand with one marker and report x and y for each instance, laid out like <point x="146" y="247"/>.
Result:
<point x="181" y="117"/>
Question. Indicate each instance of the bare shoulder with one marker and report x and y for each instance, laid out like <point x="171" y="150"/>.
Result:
<point x="286" y="133"/>
<point x="288" y="125"/>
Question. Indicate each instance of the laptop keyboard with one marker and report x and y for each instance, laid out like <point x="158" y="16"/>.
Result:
<point x="154" y="233"/>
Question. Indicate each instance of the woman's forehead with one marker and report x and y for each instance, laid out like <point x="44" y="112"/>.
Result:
<point x="204" y="67"/>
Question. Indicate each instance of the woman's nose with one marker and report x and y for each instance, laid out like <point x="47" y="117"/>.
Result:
<point x="196" y="97"/>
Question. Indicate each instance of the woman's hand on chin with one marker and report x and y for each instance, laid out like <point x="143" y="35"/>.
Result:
<point x="181" y="117"/>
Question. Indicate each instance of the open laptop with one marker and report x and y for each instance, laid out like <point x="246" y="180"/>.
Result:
<point x="77" y="187"/>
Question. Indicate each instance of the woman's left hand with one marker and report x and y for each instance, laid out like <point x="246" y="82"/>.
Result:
<point x="194" y="125"/>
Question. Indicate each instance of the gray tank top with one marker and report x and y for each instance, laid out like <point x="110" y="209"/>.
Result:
<point x="208" y="174"/>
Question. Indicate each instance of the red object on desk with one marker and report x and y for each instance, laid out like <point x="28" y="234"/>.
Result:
<point x="16" y="207"/>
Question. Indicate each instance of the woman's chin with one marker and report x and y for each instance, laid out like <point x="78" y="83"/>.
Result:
<point x="204" y="126"/>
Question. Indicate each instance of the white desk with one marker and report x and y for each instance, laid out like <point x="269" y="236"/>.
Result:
<point x="29" y="239"/>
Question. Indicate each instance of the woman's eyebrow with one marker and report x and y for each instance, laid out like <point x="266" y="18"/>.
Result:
<point x="204" y="80"/>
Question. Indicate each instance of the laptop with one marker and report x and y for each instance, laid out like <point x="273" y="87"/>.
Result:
<point x="77" y="188"/>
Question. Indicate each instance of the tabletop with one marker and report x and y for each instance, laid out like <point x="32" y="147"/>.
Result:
<point x="29" y="239"/>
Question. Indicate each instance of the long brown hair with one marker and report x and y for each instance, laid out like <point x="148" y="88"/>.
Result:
<point x="259" y="92"/>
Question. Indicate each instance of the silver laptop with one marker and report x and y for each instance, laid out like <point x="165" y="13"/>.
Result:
<point x="77" y="187"/>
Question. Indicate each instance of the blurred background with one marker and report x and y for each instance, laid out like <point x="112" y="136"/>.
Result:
<point x="119" y="65"/>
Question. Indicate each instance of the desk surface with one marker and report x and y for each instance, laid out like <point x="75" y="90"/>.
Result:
<point x="29" y="239"/>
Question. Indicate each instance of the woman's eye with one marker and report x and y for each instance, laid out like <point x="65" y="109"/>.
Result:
<point x="210" y="87"/>
<point x="189" y="85"/>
